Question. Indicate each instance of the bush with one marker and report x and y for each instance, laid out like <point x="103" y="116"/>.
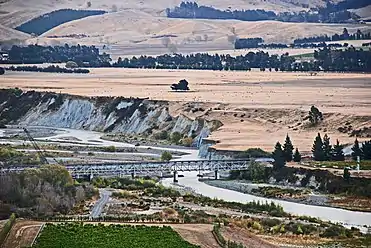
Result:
<point x="256" y="225"/>
<point x="175" y="137"/>
<point x="8" y="225"/>
<point x="163" y="135"/>
<point x="334" y="231"/>
<point x="187" y="142"/>
<point x="255" y="153"/>
<point x="110" y="149"/>
<point x="166" y="156"/>
<point x="2" y="71"/>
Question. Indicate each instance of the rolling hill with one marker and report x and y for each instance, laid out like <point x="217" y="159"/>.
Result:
<point x="136" y="27"/>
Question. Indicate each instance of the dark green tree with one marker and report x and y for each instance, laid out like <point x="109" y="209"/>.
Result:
<point x="327" y="148"/>
<point x="2" y="71"/>
<point x="317" y="149"/>
<point x="366" y="150"/>
<point x="346" y="174"/>
<point x="297" y="155"/>
<point x="288" y="148"/>
<point x="338" y="154"/>
<point x="315" y="116"/>
<point x="356" y="150"/>
<point x="279" y="157"/>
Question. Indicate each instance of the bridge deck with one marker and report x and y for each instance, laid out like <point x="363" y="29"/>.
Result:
<point x="128" y="168"/>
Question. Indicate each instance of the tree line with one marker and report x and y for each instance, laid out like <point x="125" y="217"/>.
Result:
<point x="324" y="15"/>
<point x="359" y="35"/>
<point x="326" y="59"/>
<point x="306" y="42"/>
<point x="43" y="23"/>
<point x="41" y="192"/>
<point x="246" y="43"/>
<point x="35" y="54"/>
<point x="52" y="68"/>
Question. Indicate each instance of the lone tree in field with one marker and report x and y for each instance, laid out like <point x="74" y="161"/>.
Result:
<point x="338" y="154"/>
<point x="2" y="71"/>
<point x="297" y="156"/>
<point x="288" y="148"/>
<point x="356" y="150"/>
<point x="181" y="85"/>
<point x="279" y="157"/>
<point x="315" y="116"/>
<point x="317" y="149"/>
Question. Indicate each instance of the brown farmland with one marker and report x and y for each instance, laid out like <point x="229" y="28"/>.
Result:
<point x="256" y="108"/>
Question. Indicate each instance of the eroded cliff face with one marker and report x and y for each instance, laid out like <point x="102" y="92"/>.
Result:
<point x="117" y="115"/>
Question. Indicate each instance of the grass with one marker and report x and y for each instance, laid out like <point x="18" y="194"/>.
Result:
<point x="112" y="236"/>
<point x="364" y="165"/>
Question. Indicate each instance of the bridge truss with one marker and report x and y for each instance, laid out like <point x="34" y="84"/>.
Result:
<point x="145" y="168"/>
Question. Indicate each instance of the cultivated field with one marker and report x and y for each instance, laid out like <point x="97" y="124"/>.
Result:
<point x="86" y="236"/>
<point x="256" y="108"/>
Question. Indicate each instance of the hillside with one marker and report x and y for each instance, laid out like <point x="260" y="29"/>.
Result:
<point x="132" y="33"/>
<point x="134" y="27"/>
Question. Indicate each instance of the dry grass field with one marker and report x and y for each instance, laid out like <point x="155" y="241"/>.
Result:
<point x="256" y="108"/>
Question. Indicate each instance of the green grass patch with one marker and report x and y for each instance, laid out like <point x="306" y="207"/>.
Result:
<point x="364" y="165"/>
<point x="112" y="236"/>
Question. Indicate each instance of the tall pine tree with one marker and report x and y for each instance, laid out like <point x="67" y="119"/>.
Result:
<point x="327" y="148"/>
<point x="279" y="157"/>
<point x="356" y="150"/>
<point x="297" y="155"/>
<point x="338" y="154"/>
<point x="366" y="150"/>
<point x="317" y="149"/>
<point x="288" y="149"/>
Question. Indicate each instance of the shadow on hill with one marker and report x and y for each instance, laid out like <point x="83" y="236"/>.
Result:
<point x="44" y="23"/>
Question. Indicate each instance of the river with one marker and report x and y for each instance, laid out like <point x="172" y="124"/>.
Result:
<point x="350" y="218"/>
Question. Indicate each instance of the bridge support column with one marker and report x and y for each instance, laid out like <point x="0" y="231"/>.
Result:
<point x="216" y="175"/>
<point x="175" y="178"/>
<point x="133" y="175"/>
<point x="91" y="177"/>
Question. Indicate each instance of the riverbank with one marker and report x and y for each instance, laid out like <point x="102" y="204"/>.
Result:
<point x="293" y="194"/>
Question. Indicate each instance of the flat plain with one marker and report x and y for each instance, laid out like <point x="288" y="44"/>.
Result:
<point x="256" y="108"/>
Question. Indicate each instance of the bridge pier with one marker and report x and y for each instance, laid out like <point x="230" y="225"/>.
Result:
<point x="216" y="175"/>
<point x="175" y="178"/>
<point x="133" y="175"/>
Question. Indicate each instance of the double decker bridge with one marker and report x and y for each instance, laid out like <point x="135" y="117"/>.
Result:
<point x="145" y="168"/>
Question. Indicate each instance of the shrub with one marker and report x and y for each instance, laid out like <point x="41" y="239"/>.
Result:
<point x="166" y="156"/>
<point x="255" y="153"/>
<point x="110" y="149"/>
<point x="187" y="142"/>
<point x="175" y="137"/>
<point x="256" y="225"/>
<point x="163" y="135"/>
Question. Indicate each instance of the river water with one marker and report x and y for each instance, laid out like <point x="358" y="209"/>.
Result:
<point x="350" y="218"/>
